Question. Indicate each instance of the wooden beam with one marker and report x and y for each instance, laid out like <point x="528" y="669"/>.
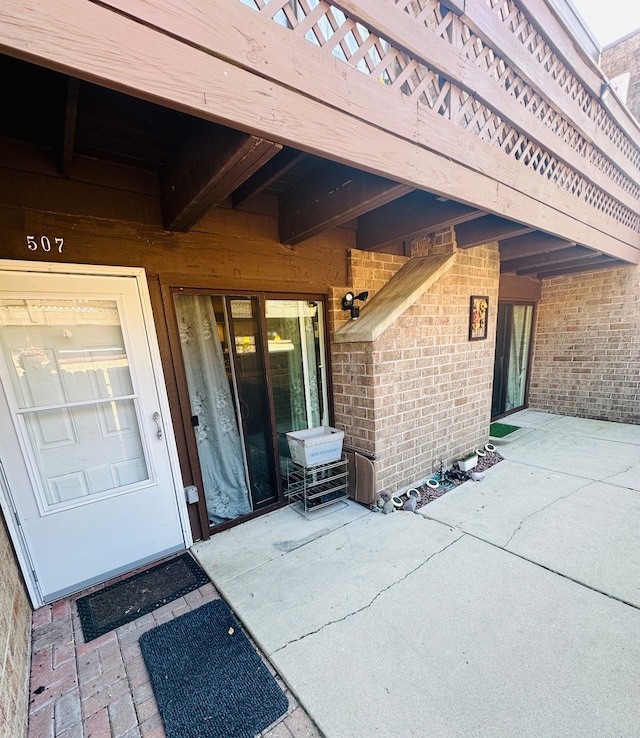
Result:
<point x="332" y="195"/>
<point x="211" y="164"/>
<point x="531" y="264"/>
<point x="486" y="229"/>
<point x="229" y="30"/>
<point x="258" y="93"/>
<point x="531" y="244"/>
<point x="576" y="264"/>
<point x="412" y="216"/>
<point x="69" y="128"/>
<point x="601" y="262"/>
<point x="277" y="167"/>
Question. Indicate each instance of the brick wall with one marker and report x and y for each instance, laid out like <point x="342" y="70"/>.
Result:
<point x="371" y="271"/>
<point x="587" y="346"/>
<point x="621" y="57"/>
<point x="422" y="390"/>
<point x="15" y="643"/>
<point x="351" y="364"/>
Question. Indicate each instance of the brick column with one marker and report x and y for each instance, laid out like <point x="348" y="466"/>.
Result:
<point x="422" y="390"/>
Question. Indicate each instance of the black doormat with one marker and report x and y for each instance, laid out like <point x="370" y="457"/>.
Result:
<point x="124" y="601"/>
<point x="208" y="680"/>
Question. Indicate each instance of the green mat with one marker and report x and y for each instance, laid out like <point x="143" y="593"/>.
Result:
<point x="500" y="430"/>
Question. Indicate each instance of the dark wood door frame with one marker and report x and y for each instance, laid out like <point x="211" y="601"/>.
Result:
<point x="515" y="303"/>
<point x="180" y="403"/>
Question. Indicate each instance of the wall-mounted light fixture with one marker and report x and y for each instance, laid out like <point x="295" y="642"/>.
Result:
<point x="348" y="303"/>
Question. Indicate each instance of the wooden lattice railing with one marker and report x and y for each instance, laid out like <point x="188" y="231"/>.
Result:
<point x="328" y="27"/>
<point x="535" y="44"/>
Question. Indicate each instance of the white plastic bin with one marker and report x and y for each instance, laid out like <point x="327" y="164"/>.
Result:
<point x="315" y="446"/>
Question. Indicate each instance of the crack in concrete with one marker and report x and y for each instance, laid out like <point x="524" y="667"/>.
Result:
<point x="542" y="509"/>
<point x="618" y="473"/>
<point x="369" y="604"/>
<point x="557" y="573"/>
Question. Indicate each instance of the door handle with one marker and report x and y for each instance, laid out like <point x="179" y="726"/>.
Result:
<point x="156" y="417"/>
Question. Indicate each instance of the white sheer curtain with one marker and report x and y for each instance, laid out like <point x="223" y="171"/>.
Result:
<point x="297" y="369"/>
<point x="309" y="347"/>
<point x="219" y="442"/>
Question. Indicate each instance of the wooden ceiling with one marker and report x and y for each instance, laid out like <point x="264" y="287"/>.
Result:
<point x="199" y="165"/>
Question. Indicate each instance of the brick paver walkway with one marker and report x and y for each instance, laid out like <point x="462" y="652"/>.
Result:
<point x="101" y="689"/>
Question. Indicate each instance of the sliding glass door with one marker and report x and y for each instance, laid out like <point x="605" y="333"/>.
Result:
<point x="513" y="344"/>
<point x="255" y="369"/>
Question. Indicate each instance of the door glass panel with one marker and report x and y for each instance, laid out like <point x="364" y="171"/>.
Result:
<point x="519" y="355"/>
<point x="208" y="366"/>
<point x="70" y="374"/>
<point x="513" y="340"/>
<point x="501" y="359"/>
<point x="253" y="398"/>
<point x="296" y="353"/>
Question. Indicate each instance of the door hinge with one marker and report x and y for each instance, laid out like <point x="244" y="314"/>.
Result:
<point x="8" y="496"/>
<point x="21" y="533"/>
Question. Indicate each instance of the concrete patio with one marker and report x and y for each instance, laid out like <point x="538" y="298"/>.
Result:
<point x="507" y="607"/>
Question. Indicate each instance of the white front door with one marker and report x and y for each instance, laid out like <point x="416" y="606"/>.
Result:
<point x="85" y="433"/>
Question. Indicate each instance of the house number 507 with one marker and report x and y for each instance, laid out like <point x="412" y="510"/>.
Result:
<point x="44" y="243"/>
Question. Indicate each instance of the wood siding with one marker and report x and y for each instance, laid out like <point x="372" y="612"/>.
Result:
<point x="229" y="250"/>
